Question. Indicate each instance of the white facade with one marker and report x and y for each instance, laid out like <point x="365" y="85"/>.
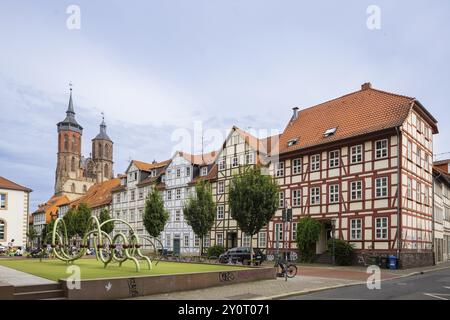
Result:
<point x="178" y="235"/>
<point x="14" y="208"/>
<point x="441" y="217"/>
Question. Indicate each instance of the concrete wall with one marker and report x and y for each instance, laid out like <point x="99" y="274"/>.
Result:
<point x="148" y="285"/>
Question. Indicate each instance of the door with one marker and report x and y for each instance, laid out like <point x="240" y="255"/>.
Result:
<point x="176" y="246"/>
<point x="232" y="240"/>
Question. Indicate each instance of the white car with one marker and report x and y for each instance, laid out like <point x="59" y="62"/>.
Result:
<point x="2" y="249"/>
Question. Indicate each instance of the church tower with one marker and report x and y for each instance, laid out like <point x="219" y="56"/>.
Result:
<point x="102" y="154"/>
<point x="69" y="149"/>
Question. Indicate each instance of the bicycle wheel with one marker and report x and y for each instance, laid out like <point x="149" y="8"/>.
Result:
<point x="291" y="271"/>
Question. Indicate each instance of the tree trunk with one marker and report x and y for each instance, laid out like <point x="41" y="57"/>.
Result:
<point x="201" y="246"/>
<point x="251" y="250"/>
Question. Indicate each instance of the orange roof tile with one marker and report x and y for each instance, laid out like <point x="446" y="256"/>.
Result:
<point x="199" y="159"/>
<point x="51" y="207"/>
<point x="98" y="195"/>
<point x="144" y="166"/>
<point x="365" y="111"/>
<point x="8" y="184"/>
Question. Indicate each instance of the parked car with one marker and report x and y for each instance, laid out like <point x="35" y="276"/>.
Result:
<point x="242" y="255"/>
<point x="2" y="249"/>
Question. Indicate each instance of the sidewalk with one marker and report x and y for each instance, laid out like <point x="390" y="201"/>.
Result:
<point x="310" y="278"/>
<point x="19" y="278"/>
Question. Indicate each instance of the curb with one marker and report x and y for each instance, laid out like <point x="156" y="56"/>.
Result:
<point x="307" y="291"/>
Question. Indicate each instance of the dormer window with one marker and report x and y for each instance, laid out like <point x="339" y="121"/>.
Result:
<point x="329" y="132"/>
<point x="292" y="142"/>
<point x="204" y="171"/>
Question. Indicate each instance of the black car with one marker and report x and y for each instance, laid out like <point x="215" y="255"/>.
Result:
<point x="242" y="255"/>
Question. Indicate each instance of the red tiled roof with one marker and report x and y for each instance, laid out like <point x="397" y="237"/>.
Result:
<point x="199" y="159"/>
<point x="51" y="207"/>
<point x="212" y="175"/>
<point x="144" y="166"/>
<point x="365" y="111"/>
<point x="8" y="184"/>
<point x="98" y="195"/>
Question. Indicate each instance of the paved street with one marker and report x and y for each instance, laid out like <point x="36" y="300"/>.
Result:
<point x="433" y="285"/>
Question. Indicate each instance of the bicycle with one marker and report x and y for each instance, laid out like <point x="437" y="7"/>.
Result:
<point x="287" y="270"/>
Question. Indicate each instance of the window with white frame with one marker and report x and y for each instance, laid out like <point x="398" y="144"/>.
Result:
<point x="355" y="229"/>
<point x="206" y="241"/>
<point x="178" y="173"/>
<point x="409" y="188"/>
<point x="333" y="159"/>
<point x="297" y="166"/>
<point x="140" y="214"/>
<point x="204" y="171"/>
<point x="169" y="194"/>
<point x="132" y="215"/>
<point x="235" y="162"/>
<point x="279" y="169"/>
<point x="381" y="228"/>
<point x="333" y="193"/>
<point x="3" y="199"/>
<point x="118" y="198"/>
<point x="314" y="195"/>
<point x="279" y="232"/>
<point x="281" y="199"/>
<point x="356" y="154"/>
<point x="221" y="187"/>
<point x="188" y="171"/>
<point x="426" y="196"/>
<point x="249" y="158"/>
<point x="186" y="241"/>
<point x="132" y="195"/>
<point x="297" y="197"/>
<point x="356" y="190"/>
<point x="219" y="239"/>
<point x="409" y="150"/>
<point x="168" y="240"/>
<point x="381" y="149"/>
<point x="196" y="241"/>
<point x="419" y="157"/>
<point x="177" y="215"/>
<point x="178" y="193"/>
<point x="315" y="162"/>
<point x="141" y="194"/>
<point x="294" y="231"/>
<point x="222" y="163"/>
<point x="381" y="187"/>
<point x="418" y="192"/>
<point x="245" y="240"/>
<point x="220" y="212"/>
<point x="262" y="239"/>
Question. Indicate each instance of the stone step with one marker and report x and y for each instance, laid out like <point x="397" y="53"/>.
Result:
<point x="37" y="287"/>
<point x="39" y="295"/>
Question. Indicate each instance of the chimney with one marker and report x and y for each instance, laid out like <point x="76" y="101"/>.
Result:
<point x="366" y="86"/>
<point x="295" y="113"/>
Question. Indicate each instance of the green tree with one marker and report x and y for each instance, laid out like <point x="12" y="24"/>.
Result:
<point x="70" y="222"/>
<point x="82" y="217"/>
<point x="308" y="231"/>
<point x="104" y="216"/>
<point x="253" y="201"/>
<point x="342" y="251"/>
<point x="200" y="211"/>
<point x="155" y="215"/>
<point x="46" y="233"/>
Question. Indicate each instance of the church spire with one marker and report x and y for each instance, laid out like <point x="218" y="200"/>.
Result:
<point x="69" y="123"/>
<point x="102" y="135"/>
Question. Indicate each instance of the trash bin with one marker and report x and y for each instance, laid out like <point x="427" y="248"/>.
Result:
<point x="392" y="262"/>
<point x="384" y="262"/>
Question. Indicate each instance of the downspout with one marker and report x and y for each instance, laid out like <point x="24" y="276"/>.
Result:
<point x="399" y="192"/>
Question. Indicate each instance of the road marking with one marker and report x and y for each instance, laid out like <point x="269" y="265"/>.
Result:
<point x="446" y="287"/>
<point x="434" y="296"/>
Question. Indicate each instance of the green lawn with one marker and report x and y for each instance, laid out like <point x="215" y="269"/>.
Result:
<point x="92" y="269"/>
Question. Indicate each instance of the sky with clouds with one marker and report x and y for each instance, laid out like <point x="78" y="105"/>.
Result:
<point x="156" y="68"/>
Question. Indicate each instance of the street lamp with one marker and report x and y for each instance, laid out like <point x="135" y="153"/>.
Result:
<point x="333" y="226"/>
